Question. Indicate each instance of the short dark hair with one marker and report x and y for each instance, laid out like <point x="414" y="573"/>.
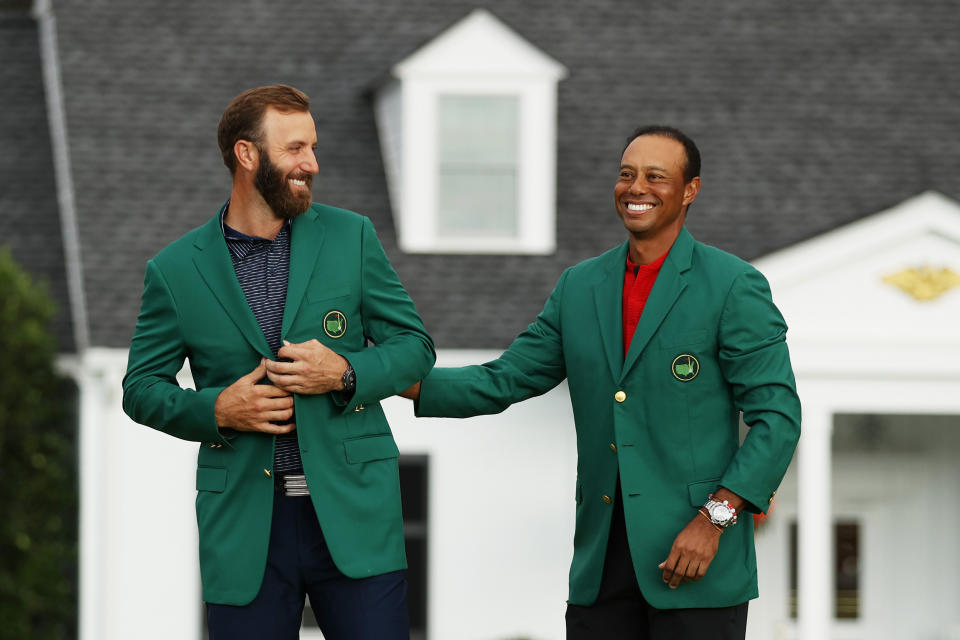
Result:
<point x="692" y="170"/>
<point x="243" y="118"/>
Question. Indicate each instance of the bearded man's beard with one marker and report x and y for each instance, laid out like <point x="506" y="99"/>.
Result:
<point x="273" y="186"/>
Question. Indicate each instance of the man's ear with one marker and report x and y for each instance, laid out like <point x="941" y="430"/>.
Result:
<point x="247" y="155"/>
<point x="690" y="191"/>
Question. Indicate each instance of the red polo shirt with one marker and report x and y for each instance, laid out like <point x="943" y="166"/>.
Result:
<point x="637" y="282"/>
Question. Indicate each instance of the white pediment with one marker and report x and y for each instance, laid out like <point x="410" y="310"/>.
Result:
<point x="880" y="294"/>
<point x="479" y="44"/>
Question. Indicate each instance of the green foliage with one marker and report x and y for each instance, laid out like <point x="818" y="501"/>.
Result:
<point x="38" y="468"/>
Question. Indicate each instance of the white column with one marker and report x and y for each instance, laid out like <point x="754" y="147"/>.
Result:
<point x="815" y="517"/>
<point x="139" y="572"/>
<point x="92" y="552"/>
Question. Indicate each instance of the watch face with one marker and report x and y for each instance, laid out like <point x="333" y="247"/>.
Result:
<point x="720" y="513"/>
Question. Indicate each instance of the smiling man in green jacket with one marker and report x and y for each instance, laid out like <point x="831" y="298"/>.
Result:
<point x="295" y="326"/>
<point x="664" y="342"/>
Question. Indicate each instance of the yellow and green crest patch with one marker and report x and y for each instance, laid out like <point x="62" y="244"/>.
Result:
<point x="335" y="324"/>
<point x="685" y="367"/>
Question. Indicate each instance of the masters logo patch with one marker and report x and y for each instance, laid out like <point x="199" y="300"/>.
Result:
<point x="685" y="367"/>
<point x="335" y="324"/>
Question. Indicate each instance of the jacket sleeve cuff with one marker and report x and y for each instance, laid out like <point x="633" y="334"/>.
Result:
<point x="204" y="403"/>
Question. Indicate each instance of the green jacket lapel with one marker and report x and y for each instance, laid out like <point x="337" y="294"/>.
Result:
<point x="608" y="295"/>
<point x="212" y="260"/>
<point x="670" y="283"/>
<point x="307" y="234"/>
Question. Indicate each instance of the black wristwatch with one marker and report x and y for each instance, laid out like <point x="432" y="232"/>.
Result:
<point x="349" y="381"/>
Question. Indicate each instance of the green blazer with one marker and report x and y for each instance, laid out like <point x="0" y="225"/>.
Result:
<point x="193" y="307"/>
<point x="710" y="344"/>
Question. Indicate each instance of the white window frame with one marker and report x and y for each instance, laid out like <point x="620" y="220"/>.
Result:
<point x="536" y="170"/>
<point x="478" y="56"/>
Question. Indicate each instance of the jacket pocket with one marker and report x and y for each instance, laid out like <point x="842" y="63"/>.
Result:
<point x="327" y="295"/>
<point x="370" y="448"/>
<point x="700" y="491"/>
<point x="211" y="479"/>
<point x="689" y="340"/>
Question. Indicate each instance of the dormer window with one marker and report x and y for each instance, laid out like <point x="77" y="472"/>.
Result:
<point x="468" y="130"/>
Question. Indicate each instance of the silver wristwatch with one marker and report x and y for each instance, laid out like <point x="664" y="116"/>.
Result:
<point x="720" y="512"/>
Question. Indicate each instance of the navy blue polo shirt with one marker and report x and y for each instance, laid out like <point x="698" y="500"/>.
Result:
<point x="263" y="268"/>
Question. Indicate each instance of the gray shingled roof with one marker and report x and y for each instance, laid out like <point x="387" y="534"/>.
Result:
<point x="29" y="216"/>
<point x="809" y="115"/>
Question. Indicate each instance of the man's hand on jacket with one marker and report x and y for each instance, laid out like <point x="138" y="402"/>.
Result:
<point x="248" y="406"/>
<point x="311" y="368"/>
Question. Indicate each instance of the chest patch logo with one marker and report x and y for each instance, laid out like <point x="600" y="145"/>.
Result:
<point x="335" y="324"/>
<point x="685" y="367"/>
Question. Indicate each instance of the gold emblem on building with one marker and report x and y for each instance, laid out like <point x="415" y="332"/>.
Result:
<point x="925" y="283"/>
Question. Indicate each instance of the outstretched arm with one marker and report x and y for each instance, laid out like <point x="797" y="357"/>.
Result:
<point x="531" y="366"/>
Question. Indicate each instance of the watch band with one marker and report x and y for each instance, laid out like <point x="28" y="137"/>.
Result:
<point x="349" y="381"/>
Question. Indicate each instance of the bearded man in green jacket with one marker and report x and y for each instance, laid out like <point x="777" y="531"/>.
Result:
<point x="295" y="326"/>
<point x="664" y="342"/>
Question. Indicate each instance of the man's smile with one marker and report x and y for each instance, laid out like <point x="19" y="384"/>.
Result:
<point x="300" y="183"/>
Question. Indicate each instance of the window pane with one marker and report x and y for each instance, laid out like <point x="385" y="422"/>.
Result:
<point x="477" y="172"/>
<point x="477" y="129"/>
<point x="846" y="540"/>
<point x="478" y="203"/>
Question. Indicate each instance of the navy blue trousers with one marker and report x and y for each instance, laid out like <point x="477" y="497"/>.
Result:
<point x="298" y="565"/>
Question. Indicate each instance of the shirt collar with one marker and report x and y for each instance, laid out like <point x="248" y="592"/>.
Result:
<point x="653" y="266"/>
<point x="230" y="233"/>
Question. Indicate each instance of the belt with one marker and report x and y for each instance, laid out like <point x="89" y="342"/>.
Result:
<point x="293" y="485"/>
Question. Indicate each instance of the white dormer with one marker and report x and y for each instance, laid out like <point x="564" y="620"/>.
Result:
<point x="467" y="126"/>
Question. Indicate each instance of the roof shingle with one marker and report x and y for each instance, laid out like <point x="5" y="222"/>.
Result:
<point x="808" y="115"/>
